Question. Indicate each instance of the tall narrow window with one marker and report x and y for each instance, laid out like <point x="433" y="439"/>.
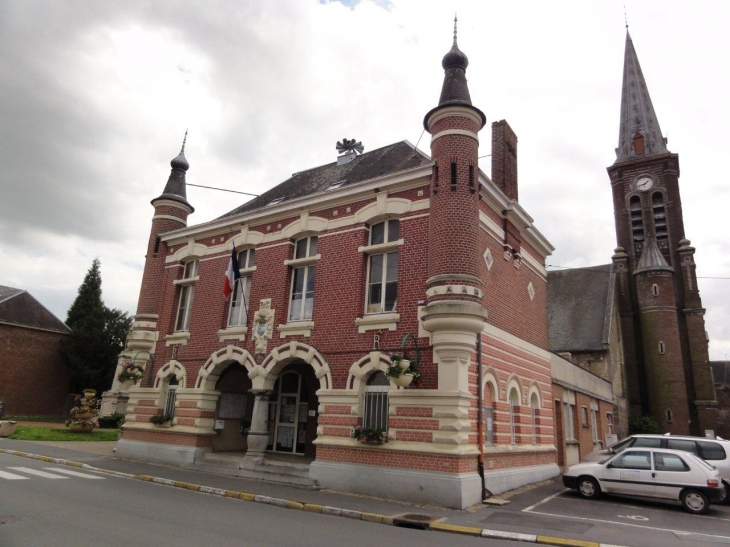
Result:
<point x="383" y="269"/>
<point x="472" y="189"/>
<point x="637" y="220"/>
<point x="534" y="408"/>
<point x="302" y="287"/>
<point x="240" y="301"/>
<point x="375" y="403"/>
<point x="514" y="405"/>
<point x="594" y="420"/>
<point x="170" y="397"/>
<point x="568" y="416"/>
<point x="187" y="289"/>
<point x="453" y="176"/>
<point x="436" y="178"/>
<point x="609" y="422"/>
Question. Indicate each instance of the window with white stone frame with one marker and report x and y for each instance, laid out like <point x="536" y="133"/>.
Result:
<point x="302" y="284"/>
<point x="187" y="290"/>
<point x="382" y="283"/>
<point x="240" y="301"/>
<point x="170" y="396"/>
<point x="568" y="417"/>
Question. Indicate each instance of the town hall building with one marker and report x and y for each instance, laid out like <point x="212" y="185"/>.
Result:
<point x="344" y="268"/>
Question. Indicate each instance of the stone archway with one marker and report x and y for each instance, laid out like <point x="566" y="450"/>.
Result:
<point x="299" y="364"/>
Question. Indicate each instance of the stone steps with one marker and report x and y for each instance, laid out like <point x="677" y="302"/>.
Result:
<point x="275" y="471"/>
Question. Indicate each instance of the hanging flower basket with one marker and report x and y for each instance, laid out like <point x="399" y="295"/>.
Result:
<point x="89" y="393"/>
<point x="130" y="373"/>
<point x="403" y="380"/>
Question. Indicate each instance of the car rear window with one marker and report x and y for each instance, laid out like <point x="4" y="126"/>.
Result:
<point x="647" y="443"/>
<point x="703" y="463"/>
<point x="682" y="444"/>
<point x="711" y="451"/>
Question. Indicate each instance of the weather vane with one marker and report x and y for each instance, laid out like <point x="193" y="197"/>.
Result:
<point x="349" y="145"/>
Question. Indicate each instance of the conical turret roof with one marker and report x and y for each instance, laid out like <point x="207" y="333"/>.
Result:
<point x="652" y="258"/>
<point x="176" y="188"/>
<point x="638" y="118"/>
<point x="454" y="91"/>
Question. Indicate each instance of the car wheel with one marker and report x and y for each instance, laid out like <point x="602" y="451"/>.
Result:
<point x="726" y="499"/>
<point x="695" y="501"/>
<point x="588" y="488"/>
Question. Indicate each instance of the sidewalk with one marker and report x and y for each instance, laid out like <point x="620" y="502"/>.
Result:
<point x="471" y="521"/>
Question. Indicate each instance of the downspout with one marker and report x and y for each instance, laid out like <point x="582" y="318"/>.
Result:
<point x="480" y="420"/>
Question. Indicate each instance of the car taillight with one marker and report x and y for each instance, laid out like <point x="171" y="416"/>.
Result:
<point x="713" y="483"/>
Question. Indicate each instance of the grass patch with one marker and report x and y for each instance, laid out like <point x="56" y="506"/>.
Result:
<point x="30" y="433"/>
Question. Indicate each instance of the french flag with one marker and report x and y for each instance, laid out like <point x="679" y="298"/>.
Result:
<point x="232" y="274"/>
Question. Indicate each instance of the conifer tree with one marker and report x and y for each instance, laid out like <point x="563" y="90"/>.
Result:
<point x="97" y="336"/>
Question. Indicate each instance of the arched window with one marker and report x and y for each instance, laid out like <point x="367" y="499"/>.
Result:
<point x="170" y="397"/>
<point x="534" y="409"/>
<point x="637" y="220"/>
<point x="660" y="220"/>
<point x="514" y="404"/>
<point x="375" y="402"/>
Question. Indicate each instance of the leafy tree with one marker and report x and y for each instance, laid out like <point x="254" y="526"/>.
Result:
<point x="643" y="425"/>
<point x="97" y="336"/>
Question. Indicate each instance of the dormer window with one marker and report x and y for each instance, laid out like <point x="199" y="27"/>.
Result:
<point x="275" y="201"/>
<point x="337" y="184"/>
<point x="639" y="145"/>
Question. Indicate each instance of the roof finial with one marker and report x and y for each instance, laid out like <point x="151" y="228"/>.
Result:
<point x="455" y="19"/>
<point x="185" y="138"/>
<point x="626" y="18"/>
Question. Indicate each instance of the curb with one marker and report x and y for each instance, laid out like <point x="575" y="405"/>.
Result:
<point x="314" y="508"/>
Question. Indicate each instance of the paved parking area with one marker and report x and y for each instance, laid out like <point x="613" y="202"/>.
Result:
<point x="645" y="522"/>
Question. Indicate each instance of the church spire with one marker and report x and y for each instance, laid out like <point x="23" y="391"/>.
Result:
<point x="639" y="132"/>
<point x="175" y="189"/>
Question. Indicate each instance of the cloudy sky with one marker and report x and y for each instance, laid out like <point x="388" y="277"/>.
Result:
<point x="95" y="98"/>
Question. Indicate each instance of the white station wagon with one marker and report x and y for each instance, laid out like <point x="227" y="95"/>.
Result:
<point x="650" y="473"/>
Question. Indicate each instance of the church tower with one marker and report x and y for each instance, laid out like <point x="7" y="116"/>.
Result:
<point x="662" y="319"/>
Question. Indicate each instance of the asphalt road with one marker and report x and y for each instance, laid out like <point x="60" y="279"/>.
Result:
<point x="65" y="509"/>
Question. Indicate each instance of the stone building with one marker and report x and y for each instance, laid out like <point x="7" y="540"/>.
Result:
<point x="340" y="267"/>
<point x="33" y="380"/>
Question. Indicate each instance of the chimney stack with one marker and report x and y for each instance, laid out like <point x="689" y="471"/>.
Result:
<point x="504" y="158"/>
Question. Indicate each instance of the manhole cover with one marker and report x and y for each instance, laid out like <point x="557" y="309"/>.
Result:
<point x="414" y="520"/>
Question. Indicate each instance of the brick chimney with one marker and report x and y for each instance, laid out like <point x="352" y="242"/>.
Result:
<point x="504" y="158"/>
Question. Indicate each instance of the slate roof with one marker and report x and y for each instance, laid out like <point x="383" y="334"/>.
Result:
<point x="637" y="112"/>
<point x="580" y="304"/>
<point x="390" y="159"/>
<point x="19" y="307"/>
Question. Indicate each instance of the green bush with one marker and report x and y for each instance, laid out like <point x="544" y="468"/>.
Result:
<point x="111" y="421"/>
<point x="643" y="425"/>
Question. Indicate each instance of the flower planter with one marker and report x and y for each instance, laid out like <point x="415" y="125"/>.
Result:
<point x="81" y="428"/>
<point x="7" y="428"/>
<point x="404" y="364"/>
<point x="403" y="380"/>
<point x="126" y="384"/>
<point x="85" y="415"/>
<point x="89" y="393"/>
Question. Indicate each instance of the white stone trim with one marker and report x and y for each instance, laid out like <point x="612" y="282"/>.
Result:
<point x="219" y="361"/>
<point x="381" y="248"/>
<point x="454" y="289"/>
<point x="190" y="251"/>
<point x="382" y="208"/>
<point x="177" y="338"/>
<point x="264" y="376"/>
<point x="172" y="368"/>
<point x="296" y="328"/>
<point x="233" y="333"/>
<point x="455" y="132"/>
<point x="172" y="203"/>
<point x="363" y="367"/>
<point x="170" y="217"/>
<point x="455" y="111"/>
<point x="306" y="261"/>
<point x="376" y="321"/>
<point x="186" y="281"/>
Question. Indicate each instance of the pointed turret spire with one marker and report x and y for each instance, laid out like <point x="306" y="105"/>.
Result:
<point x="455" y="91"/>
<point x="175" y="189"/>
<point x="639" y="132"/>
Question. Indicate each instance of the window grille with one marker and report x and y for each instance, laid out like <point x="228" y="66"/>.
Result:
<point x="376" y="403"/>
<point x="170" y="397"/>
